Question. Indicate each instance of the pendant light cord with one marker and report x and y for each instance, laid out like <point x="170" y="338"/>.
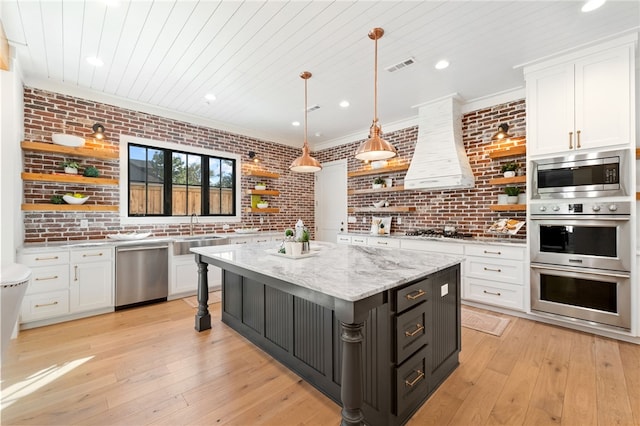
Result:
<point x="305" y="112"/>
<point x="375" y="84"/>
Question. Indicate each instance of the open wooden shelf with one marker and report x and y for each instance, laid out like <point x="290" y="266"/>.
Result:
<point x="398" y="209"/>
<point x="68" y="178"/>
<point x="257" y="210"/>
<point x="373" y="191"/>
<point x="508" y="207"/>
<point x="262" y="192"/>
<point x="508" y="152"/>
<point x="504" y="180"/>
<point x="71" y="151"/>
<point x="381" y="171"/>
<point x="69" y="207"/>
<point x="262" y="173"/>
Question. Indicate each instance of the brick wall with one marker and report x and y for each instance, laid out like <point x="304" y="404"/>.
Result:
<point x="468" y="209"/>
<point x="46" y="113"/>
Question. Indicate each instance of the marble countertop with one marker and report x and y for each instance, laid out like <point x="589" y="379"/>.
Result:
<point x="474" y="240"/>
<point x="346" y="272"/>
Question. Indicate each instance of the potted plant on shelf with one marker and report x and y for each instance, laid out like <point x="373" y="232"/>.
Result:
<point x="261" y="186"/>
<point x="91" y="171"/>
<point x="509" y="170"/>
<point x="70" y="167"/>
<point x="512" y="194"/>
<point x="378" y="183"/>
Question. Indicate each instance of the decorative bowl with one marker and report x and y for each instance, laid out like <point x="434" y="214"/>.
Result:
<point x="262" y="205"/>
<point x="261" y="187"/>
<point x="379" y="204"/>
<point x="70" y="199"/>
<point x="67" y="140"/>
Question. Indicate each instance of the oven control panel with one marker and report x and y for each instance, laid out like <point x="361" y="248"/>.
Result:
<point x="586" y="208"/>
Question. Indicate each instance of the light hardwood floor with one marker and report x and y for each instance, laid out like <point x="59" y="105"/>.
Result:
<point x="149" y="366"/>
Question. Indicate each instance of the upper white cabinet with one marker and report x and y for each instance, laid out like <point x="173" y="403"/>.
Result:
<point x="581" y="102"/>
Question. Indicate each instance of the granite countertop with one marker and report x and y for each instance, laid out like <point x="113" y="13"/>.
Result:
<point x="346" y="272"/>
<point x="473" y="240"/>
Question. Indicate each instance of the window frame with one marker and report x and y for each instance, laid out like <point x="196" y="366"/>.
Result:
<point x="126" y="140"/>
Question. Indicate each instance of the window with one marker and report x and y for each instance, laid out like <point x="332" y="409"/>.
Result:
<point x="171" y="182"/>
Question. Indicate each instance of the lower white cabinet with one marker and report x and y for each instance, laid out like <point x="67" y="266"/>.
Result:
<point x="184" y="276"/>
<point x="91" y="286"/>
<point x="385" y="242"/>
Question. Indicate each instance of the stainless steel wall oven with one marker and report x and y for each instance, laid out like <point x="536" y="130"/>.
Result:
<point x="581" y="261"/>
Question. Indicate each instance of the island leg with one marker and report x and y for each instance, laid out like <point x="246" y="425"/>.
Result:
<point x="351" y="387"/>
<point x="203" y="317"/>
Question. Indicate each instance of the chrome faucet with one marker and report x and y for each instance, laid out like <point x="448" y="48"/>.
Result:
<point x="193" y="216"/>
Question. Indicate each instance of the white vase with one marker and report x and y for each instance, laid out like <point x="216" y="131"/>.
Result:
<point x="502" y="199"/>
<point x="509" y="174"/>
<point x="296" y="248"/>
<point x="377" y="186"/>
<point x="522" y="198"/>
<point x="71" y="170"/>
<point x="388" y="182"/>
<point x="288" y="247"/>
<point x="512" y="199"/>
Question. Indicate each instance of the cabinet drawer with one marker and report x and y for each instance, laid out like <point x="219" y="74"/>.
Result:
<point x="60" y="257"/>
<point x="411" y="295"/>
<point x="430" y="245"/>
<point x="383" y="242"/>
<point x="45" y="305"/>
<point x="264" y="239"/>
<point x="92" y="255"/>
<point x="411" y="381"/>
<point x="495" y="251"/>
<point x="494" y="293"/>
<point x="411" y="332"/>
<point x="509" y="271"/>
<point x="344" y="239"/>
<point x="359" y="241"/>
<point x="48" y="278"/>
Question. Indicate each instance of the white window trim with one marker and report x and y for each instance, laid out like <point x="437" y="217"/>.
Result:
<point x="125" y="140"/>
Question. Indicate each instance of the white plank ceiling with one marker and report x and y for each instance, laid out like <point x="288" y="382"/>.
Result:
<point x="164" y="56"/>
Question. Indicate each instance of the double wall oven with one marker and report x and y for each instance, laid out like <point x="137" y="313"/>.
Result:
<point x="581" y="260"/>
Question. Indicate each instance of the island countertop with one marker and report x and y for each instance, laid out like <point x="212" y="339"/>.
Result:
<point x="350" y="273"/>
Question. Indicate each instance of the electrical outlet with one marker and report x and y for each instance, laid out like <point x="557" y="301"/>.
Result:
<point x="261" y="220"/>
<point x="225" y="226"/>
<point x="84" y="223"/>
<point x="364" y="220"/>
<point x="399" y="221"/>
<point x="444" y="290"/>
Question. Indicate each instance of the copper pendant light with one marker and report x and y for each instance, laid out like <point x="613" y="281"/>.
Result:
<point x="375" y="148"/>
<point x="305" y="163"/>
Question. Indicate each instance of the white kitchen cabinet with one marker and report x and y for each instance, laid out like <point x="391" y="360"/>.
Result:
<point x="184" y="276"/>
<point x="384" y="242"/>
<point x="359" y="240"/>
<point x="91" y="285"/>
<point x="47" y="295"/>
<point x="581" y="104"/>
<point x="494" y="275"/>
<point x="343" y="239"/>
<point x="438" y="246"/>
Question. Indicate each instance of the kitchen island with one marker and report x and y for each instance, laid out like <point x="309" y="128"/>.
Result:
<point x="376" y="330"/>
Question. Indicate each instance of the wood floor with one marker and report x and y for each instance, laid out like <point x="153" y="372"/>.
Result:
<point x="149" y="366"/>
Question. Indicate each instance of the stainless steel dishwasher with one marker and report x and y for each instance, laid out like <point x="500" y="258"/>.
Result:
<point x="142" y="274"/>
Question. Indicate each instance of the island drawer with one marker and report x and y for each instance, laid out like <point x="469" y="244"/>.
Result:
<point x="411" y="295"/>
<point x="411" y="332"/>
<point x="411" y="381"/>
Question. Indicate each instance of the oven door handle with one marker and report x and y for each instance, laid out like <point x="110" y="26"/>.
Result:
<point x="611" y="218"/>
<point x="581" y="270"/>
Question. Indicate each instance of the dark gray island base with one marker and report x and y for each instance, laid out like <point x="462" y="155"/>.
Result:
<point x="379" y="357"/>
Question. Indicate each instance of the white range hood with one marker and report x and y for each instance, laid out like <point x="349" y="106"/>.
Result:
<point x="439" y="160"/>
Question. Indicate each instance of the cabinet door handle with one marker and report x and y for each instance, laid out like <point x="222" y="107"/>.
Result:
<point x="47" y="304"/>
<point x="490" y="292"/>
<point x="384" y="243"/>
<point x="75" y="273"/>
<point x="47" y="258"/>
<point x="412" y="383"/>
<point x="53" y="277"/>
<point x="578" y="137"/>
<point x="492" y="252"/>
<point x="492" y="270"/>
<point x="92" y="255"/>
<point x="419" y="328"/>
<point x="570" y="140"/>
<point x="415" y="295"/>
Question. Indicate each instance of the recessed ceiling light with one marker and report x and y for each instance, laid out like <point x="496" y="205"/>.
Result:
<point x="95" y="61"/>
<point x="318" y="134"/>
<point x="442" y="64"/>
<point x="210" y="97"/>
<point x="344" y="104"/>
<point x="295" y="123"/>
<point x="592" y="5"/>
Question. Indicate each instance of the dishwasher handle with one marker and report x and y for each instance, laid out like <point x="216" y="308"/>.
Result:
<point x="137" y="248"/>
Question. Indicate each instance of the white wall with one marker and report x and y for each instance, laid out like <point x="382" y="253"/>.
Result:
<point x="11" y="133"/>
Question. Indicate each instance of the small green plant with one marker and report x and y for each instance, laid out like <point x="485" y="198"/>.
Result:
<point x="91" y="171"/>
<point x="305" y="236"/>
<point x="71" y="164"/>
<point x="378" y="181"/>
<point x="512" y="191"/>
<point x="57" y="199"/>
<point x="288" y="232"/>
<point x="509" y="167"/>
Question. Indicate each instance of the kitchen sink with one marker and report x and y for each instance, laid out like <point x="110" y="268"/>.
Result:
<point x="182" y="245"/>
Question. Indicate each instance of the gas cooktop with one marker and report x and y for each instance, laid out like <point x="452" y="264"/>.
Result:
<point x="437" y="233"/>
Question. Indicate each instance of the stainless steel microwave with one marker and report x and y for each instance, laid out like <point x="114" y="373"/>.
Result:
<point x="595" y="174"/>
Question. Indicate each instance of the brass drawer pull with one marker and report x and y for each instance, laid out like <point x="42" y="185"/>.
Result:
<point x="492" y="270"/>
<point x="92" y="255"/>
<point x="416" y="380"/>
<point x="492" y="252"/>
<point x="47" y="304"/>
<point x="570" y="140"/>
<point x="578" y="137"/>
<point x="47" y="258"/>
<point x="490" y="292"/>
<point x="47" y="278"/>
<point x="415" y="295"/>
<point x="419" y="328"/>
<point x="384" y="243"/>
